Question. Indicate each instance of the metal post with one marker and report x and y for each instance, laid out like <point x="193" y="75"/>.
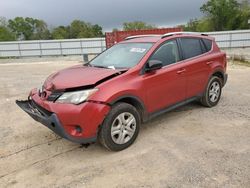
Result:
<point x="19" y="50"/>
<point x="61" y="48"/>
<point x="81" y="47"/>
<point x="102" y="45"/>
<point x="230" y="40"/>
<point x="40" y="46"/>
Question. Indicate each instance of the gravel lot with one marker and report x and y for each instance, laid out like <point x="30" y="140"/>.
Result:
<point x="191" y="146"/>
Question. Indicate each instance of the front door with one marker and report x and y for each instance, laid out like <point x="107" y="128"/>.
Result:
<point x="166" y="86"/>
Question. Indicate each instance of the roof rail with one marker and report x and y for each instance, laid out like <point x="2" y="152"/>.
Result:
<point x="182" y="33"/>
<point x="140" y="36"/>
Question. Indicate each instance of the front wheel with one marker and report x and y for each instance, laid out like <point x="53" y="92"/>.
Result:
<point x="120" y="128"/>
<point x="213" y="91"/>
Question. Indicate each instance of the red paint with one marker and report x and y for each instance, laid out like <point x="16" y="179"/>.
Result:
<point x="156" y="90"/>
<point x="118" y="36"/>
<point x="73" y="77"/>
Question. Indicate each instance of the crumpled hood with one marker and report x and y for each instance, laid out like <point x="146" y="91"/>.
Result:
<point x="77" y="76"/>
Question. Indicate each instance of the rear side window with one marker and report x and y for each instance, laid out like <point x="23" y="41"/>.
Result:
<point x="191" y="47"/>
<point x="168" y="53"/>
<point x="208" y="44"/>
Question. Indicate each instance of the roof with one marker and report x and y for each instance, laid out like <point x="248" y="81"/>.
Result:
<point x="156" y="38"/>
<point x="144" y="39"/>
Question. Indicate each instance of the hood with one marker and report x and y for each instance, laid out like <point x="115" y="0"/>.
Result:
<point x="78" y="76"/>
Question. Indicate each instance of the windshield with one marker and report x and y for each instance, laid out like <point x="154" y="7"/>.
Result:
<point x="124" y="55"/>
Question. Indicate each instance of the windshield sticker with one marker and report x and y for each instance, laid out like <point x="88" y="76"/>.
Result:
<point x="138" y="50"/>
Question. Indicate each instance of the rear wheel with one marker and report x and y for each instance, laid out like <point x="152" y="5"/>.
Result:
<point x="120" y="128"/>
<point x="212" y="94"/>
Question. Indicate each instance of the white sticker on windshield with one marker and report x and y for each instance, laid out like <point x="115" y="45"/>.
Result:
<point x="137" y="50"/>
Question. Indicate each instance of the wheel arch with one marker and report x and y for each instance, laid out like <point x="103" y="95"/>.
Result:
<point x="219" y="74"/>
<point x="134" y="101"/>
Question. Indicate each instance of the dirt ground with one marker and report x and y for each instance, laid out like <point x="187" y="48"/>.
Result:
<point x="191" y="146"/>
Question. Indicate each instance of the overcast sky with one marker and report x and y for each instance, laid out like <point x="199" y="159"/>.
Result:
<point x="107" y="13"/>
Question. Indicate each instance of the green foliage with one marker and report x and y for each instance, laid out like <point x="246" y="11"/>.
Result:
<point x="40" y="30"/>
<point x="191" y="25"/>
<point x="3" y="22"/>
<point x="29" y="28"/>
<point x="35" y="29"/>
<point x="20" y="28"/>
<point x="244" y="15"/>
<point x="5" y="34"/>
<point x="137" y="25"/>
<point x="77" y="29"/>
<point x="221" y="15"/>
<point x="81" y="29"/>
<point x="202" y="25"/>
<point x="60" y="32"/>
<point x="115" y="30"/>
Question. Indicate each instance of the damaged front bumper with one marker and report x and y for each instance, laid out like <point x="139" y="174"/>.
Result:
<point x="50" y="120"/>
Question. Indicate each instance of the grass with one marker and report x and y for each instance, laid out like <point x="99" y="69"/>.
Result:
<point x="238" y="62"/>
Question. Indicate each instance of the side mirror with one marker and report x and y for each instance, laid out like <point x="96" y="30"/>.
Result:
<point x="153" y="65"/>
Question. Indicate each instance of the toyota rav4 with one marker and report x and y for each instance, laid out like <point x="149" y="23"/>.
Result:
<point x="128" y="84"/>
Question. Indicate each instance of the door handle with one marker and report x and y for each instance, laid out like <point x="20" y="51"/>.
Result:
<point x="209" y="63"/>
<point x="181" y="71"/>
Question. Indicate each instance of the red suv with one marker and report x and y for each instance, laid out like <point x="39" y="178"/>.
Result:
<point x="128" y="84"/>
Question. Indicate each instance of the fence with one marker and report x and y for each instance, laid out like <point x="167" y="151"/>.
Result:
<point x="52" y="47"/>
<point x="232" y="39"/>
<point x="225" y="39"/>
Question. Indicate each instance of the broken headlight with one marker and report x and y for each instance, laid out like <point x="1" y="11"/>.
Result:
<point x="76" y="97"/>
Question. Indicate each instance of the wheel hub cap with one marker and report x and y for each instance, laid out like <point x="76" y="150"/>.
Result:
<point x="123" y="128"/>
<point x="214" y="91"/>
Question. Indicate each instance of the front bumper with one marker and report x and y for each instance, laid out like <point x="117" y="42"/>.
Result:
<point x="50" y="120"/>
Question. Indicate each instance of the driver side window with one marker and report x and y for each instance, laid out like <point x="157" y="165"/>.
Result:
<point x="168" y="53"/>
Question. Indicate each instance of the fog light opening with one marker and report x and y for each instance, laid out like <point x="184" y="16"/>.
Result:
<point x="78" y="129"/>
<point x="53" y="125"/>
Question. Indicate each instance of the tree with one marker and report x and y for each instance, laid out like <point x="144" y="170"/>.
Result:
<point x="81" y="29"/>
<point x="115" y="30"/>
<point x="97" y="31"/>
<point x="137" y="25"/>
<point x="61" y="32"/>
<point x="3" y="22"/>
<point x="244" y="15"/>
<point x="5" y="34"/>
<point x="20" y="28"/>
<point x="29" y="28"/>
<point x="40" y="30"/>
<point x="222" y="13"/>
<point x="192" y="25"/>
<point x="204" y="25"/>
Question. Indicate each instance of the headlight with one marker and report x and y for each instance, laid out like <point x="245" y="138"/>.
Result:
<point x="76" y="97"/>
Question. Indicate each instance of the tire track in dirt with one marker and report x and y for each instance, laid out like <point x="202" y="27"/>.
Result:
<point x="25" y="149"/>
<point x="27" y="166"/>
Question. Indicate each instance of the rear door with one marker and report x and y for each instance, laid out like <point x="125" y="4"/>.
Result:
<point x="196" y="59"/>
<point x="167" y="85"/>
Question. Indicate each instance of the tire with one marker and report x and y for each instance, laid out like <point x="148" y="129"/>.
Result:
<point x="212" y="94"/>
<point x="120" y="128"/>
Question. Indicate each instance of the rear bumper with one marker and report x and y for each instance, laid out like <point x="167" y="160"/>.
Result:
<point x="50" y="120"/>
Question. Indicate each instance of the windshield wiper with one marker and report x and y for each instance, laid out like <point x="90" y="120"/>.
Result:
<point x="99" y="66"/>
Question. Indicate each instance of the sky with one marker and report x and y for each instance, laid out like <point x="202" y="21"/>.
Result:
<point x="107" y="13"/>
